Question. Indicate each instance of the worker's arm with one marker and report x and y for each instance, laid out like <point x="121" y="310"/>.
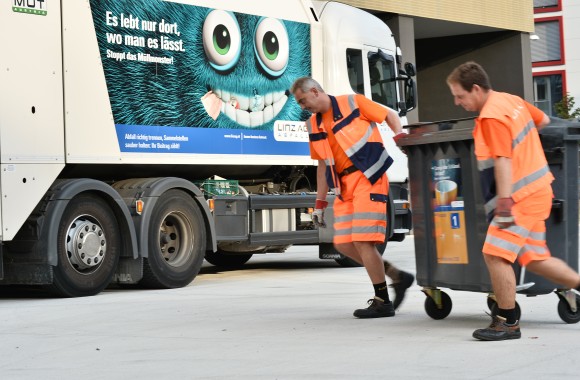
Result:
<point x="503" y="184"/>
<point x="321" y="184"/>
<point x="394" y="122"/>
<point x="545" y="121"/>
<point x="540" y="118"/>
<point x="503" y="177"/>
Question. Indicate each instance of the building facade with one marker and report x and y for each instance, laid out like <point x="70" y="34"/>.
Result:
<point x="437" y="35"/>
<point x="555" y="57"/>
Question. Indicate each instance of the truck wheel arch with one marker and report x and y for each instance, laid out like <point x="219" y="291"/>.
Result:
<point x="58" y="197"/>
<point x="151" y="189"/>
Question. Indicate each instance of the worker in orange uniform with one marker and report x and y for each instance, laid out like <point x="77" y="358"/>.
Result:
<point x="516" y="182"/>
<point x="352" y="161"/>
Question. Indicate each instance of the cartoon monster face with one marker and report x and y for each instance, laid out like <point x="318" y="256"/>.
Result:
<point x="222" y="43"/>
<point x="234" y="72"/>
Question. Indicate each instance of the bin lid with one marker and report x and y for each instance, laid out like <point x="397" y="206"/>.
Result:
<point x="438" y="131"/>
<point x="559" y="130"/>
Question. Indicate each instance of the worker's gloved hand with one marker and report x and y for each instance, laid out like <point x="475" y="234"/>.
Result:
<point x="503" y="212"/>
<point x="318" y="213"/>
<point x="397" y="137"/>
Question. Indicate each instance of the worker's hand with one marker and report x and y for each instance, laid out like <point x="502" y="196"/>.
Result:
<point x="397" y="137"/>
<point x="503" y="212"/>
<point x="318" y="213"/>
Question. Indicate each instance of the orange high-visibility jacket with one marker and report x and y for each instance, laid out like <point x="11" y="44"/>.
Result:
<point x="359" y="138"/>
<point x="530" y="170"/>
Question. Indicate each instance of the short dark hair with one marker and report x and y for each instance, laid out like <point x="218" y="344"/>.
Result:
<point x="469" y="74"/>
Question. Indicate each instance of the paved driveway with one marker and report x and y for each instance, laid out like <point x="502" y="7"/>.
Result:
<point x="284" y="316"/>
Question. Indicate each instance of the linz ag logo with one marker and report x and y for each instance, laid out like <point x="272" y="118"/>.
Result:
<point x="33" y="7"/>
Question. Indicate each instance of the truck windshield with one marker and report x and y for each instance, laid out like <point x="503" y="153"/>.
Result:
<point x="382" y="76"/>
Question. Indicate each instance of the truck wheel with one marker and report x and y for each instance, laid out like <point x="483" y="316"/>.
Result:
<point x="227" y="260"/>
<point x="88" y="248"/>
<point x="176" y="242"/>
<point x="347" y="262"/>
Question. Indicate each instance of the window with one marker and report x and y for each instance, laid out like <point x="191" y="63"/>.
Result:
<point x="548" y="91"/>
<point x="547" y="6"/>
<point x="354" y="64"/>
<point x="383" y="82"/>
<point x="547" y="50"/>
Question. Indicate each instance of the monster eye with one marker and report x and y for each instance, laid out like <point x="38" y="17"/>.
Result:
<point x="272" y="46"/>
<point x="222" y="39"/>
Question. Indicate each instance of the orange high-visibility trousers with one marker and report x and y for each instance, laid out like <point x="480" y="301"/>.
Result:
<point x="361" y="214"/>
<point x="526" y="240"/>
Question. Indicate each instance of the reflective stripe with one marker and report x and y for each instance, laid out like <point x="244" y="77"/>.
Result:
<point x="501" y="243"/>
<point x="370" y="172"/>
<point x="351" y="103"/>
<point x="342" y="219"/>
<point x="485" y="164"/>
<point x="534" y="248"/>
<point x="369" y="230"/>
<point x="342" y="231"/>
<point x="490" y="205"/>
<point x="530" y="178"/>
<point x="518" y="230"/>
<point x="369" y="216"/>
<point x="519" y="138"/>
<point x="537" y="235"/>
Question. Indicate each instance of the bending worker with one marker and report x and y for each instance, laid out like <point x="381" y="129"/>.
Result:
<point x="516" y="181"/>
<point x="352" y="161"/>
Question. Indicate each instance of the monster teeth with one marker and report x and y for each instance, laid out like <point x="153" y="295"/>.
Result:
<point x="251" y="111"/>
<point x="243" y="102"/>
<point x="279" y="104"/>
<point x="268" y="98"/>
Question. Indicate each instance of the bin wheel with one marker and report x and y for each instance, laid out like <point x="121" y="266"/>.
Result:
<point x="495" y="310"/>
<point x="438" y="312"/>
<point x="566" y="313"/>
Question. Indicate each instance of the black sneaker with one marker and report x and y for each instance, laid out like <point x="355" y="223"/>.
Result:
<point x="377" y="309"/>
<point x="400" y="287"/>
<point x="498" y="330"/>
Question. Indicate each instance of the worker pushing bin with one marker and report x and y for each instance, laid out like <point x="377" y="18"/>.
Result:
<point x="450" y="221"/>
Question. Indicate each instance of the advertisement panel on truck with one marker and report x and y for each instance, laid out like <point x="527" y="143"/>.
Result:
<point x="191" y="79"/>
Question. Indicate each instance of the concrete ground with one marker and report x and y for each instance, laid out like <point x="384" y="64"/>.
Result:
<point x="284" y="316"/>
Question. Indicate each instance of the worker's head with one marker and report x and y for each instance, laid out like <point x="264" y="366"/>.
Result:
<point x="469" y="85"/>
<point x="310" y="95"/>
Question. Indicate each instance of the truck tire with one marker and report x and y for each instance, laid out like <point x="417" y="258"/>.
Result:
<point x="347" y="262"/>
<point x="89" y="247"/>
<point x="227" y="260"/>
<point x="177" y="239"/>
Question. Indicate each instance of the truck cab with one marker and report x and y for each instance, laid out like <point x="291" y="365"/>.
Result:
<point x="363" y="61"/>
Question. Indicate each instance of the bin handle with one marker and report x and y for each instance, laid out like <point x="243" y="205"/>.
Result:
<point x="558" y="210"/>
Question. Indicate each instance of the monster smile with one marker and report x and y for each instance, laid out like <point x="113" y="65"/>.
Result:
<point x="248" y="111"/>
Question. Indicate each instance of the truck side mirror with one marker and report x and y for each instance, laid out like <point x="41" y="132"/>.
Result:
<point x="410" y="69"/>
<point x="410" y="94"/>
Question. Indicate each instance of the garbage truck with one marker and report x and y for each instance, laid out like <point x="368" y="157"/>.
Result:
<point x="138" y="137"/>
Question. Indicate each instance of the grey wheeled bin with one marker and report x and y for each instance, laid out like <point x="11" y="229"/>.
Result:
<point x="449" y="220"/>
